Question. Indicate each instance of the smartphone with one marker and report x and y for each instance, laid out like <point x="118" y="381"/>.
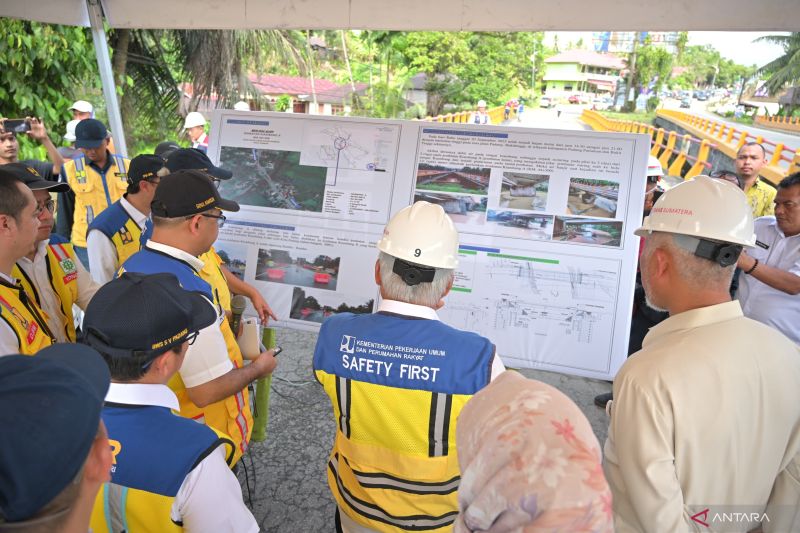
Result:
<point x="278" y="350"/>
<point x="16" y="125"/>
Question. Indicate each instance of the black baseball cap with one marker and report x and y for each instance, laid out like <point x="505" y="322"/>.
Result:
<point x="50" y="417"/>
<point x="144" y="167"/>
<point x="157" y="315"/>
<point x="31" y="177"/>
<point x="192" y="159"/>
<point x="186" y="193"/>
<point x="90" y="133"/>
<point x="165" y="148"/>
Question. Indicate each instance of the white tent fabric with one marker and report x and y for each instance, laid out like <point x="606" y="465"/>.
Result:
<point x="449" y="15"/>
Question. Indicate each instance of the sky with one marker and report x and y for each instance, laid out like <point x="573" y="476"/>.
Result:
<point x="735" y="45"/>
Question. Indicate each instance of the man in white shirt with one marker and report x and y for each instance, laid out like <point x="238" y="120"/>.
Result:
<point x="51" y="273"/>
<point x="769" y="285"/>
<point x="118" y="232"/>
<point x="195" y="127"/>
<point x="167" y="469"/>
<point x="705" y="421"/>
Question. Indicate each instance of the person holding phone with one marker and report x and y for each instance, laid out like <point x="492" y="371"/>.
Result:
<point x="34" y="128"/>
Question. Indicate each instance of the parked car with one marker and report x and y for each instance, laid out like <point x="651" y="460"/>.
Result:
<point x="546" y="102"/>
<point x="574" y="99"/>
<point x="686" y="103"/>
<point x="702" y="96"/>
<point x="602" y="104"/>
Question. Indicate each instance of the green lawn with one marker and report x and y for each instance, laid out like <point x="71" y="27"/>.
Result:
<point x="645" y="117"/>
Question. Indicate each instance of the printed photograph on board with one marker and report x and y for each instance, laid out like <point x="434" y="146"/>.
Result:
<point x="463" y="209"/>
<point x="524" y="191"/>
<point x="463" y="180"/>
<point x="588" y="231"/>
<point x="296" y="268"/>
<point x="315" y="306"/>
<point x="234" y="256"/>
<point x="521" y="224"/>
<point x="593" y="198"/>
<point x="272" y="178"/>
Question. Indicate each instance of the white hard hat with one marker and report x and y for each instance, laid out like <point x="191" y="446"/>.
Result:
<point x="70" y="134"/>
<point x="82" y="106"/>
<point x="705" y="208"/>
<point x="241" y="105"/>
<point x="194" y="119"/>
<point x="422" y="233"/>
<point x="481" y="103"/>
<point x="654" y="167"/>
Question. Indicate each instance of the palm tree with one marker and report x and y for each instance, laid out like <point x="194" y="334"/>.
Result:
<point x="784" y="70"/>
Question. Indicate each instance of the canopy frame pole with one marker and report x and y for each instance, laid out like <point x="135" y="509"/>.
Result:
<point x="106" y="75"/>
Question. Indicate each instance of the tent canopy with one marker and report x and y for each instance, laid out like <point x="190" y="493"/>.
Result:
<point x="447" y="15"/>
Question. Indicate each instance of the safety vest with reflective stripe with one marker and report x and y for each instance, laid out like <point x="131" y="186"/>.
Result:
<point x="26" y="319"/>
<point x="212" y="274"/>
<point x="232" y="415"/>
<point x="123" y="232"/>
<point x="397" y="385"/>
<point x="94" y="191"/>
<point x="62" y="272"/>
<point x="154" y="450"/>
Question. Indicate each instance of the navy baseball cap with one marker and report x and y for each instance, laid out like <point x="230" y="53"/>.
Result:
<point x="192" y="159"/>
<point x="31" y="177"/>
<point x="144" y="167"/>
<point x="187" y="193"/>
<point x="165" y="148"/>
<point x="50" y="417"/>
<point x="90" y="133"/>
<point x="158" y="314"/>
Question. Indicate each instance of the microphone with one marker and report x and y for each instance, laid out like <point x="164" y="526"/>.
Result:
<point x="238" y="305"/>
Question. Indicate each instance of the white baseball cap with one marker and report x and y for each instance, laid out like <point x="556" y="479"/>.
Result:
<point x="70" y="134"/>
<point x="82" y="106"/>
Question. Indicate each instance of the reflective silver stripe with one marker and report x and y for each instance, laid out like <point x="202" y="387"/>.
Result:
<point x="241" y="421"/>
<point x="439" y="424"/>
<point x="383" y="481"/>
<point x="57" y="252"/>
<point x="374" y="512"/>
<point x="343" y="402"/>
<point x="116" y="508"/>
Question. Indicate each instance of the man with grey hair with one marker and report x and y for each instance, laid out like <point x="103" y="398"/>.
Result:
<point x="397" y="380"/>
<point x="705" y="421"/>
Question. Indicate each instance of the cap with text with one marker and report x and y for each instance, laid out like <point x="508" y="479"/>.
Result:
<point x="186" y="193"/>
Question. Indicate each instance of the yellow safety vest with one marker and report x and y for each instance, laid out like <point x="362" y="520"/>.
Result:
<point x="240" y="419"/>
<point x="94" y="191"/>
<point x="26" y="319"/>
<point x="62" y="273"/>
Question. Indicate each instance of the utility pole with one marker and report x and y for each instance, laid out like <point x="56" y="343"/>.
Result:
<point x="630" y="101"/>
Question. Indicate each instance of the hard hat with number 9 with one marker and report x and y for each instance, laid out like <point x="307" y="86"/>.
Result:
<point x="422" y="233"/>
<point x="194" y="119"/>
<point x="705" y="208"/>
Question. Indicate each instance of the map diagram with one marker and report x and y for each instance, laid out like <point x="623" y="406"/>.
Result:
<point x="354" y="147"/>
<point x="537" y="311"/>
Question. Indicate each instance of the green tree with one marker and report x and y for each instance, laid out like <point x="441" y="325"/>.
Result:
<point x="784" y="70"/>
<point x="653" y="66"/>
<point x="44" y="69"/>
<point x="438" y="54"/>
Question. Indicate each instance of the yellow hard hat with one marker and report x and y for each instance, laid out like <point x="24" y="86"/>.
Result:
<point x="705" y="208"/>
<point x="422" y="233"/>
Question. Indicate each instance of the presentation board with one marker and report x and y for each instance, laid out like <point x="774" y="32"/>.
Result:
<point x="547" y="257"/>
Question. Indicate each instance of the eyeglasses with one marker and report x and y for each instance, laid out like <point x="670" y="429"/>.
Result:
<point x="50" y="205"/>
<point x="220" y="218"/>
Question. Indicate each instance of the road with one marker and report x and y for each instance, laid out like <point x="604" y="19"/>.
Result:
<point x="548" y="118"/>
<point x="699" y="108"/>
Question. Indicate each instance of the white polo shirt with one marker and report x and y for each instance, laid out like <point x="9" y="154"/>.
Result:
<point x="760" y="301"/>
<point x="210" y="498"/>
<point x="103" y="258"/>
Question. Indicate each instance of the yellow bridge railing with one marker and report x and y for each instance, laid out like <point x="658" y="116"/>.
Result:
<point x="495" y="116"/>
<point x="672" y="154"/>
<point x="781" y="159"/>
<point x="791" y="124"/>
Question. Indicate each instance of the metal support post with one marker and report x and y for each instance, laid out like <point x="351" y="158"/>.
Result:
<point x="106" y="75"/>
